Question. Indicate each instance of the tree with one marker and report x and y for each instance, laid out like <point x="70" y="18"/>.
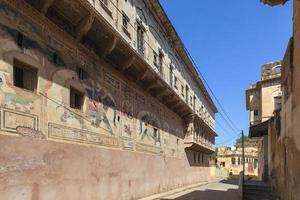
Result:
<point x="214" y="155"/>
<point x="239" y="140"/>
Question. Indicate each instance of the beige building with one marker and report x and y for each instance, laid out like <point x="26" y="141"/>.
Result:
<point x="283" y="129"/>
<point x="231" y="159"/>
<point x="98" y="100"/>
<point x="264" y="96"/>
<point x="262" y="99"/>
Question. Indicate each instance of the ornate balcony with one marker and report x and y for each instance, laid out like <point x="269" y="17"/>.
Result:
<point x="201" y="138"/>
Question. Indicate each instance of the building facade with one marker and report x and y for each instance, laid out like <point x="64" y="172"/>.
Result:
<point x="262" y="99"/>
<point x="231" y="159"/>
<point x="99" y="100"/>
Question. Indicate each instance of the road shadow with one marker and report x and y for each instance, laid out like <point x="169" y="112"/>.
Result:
<point x="230" y="181"/>
<point x="230" y="194"/>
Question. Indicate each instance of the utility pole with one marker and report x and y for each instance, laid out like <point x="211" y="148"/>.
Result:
<point x="243" y="154"/>
<point x="243" y="158"/>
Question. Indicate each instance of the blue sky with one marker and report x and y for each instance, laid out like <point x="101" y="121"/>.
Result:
<point x="229" y="41"/>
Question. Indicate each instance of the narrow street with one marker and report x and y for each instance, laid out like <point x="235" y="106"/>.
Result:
<point x="227" y="190"/>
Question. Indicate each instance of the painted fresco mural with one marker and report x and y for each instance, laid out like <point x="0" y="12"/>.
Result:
<point x="149" y="129"/>
<point x="114" y="113"/>
<point x="127" y="119"/>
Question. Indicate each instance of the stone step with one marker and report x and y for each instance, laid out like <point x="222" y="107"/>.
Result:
<point x="258" y="190"/>
<point x="259" y="195"/>
<point x="254" y="197"/>
<point x="256" y="186"/>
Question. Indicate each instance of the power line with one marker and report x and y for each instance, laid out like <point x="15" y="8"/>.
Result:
<point x="221" y="126"/>
<point x="230" y="123"/>
<point x="227" y="141"/>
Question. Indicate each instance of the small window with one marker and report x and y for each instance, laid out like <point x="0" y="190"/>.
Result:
<point x="140" y="37"/>
<point x="171" y="74"/>
<point x="160" y="61"/>
<point x="55" y="58"/>
<point x="155" y="60"/>
<point x="233" y="161"/>
<point x="182" y="90"/>
<point x="277" y="69"/>
<point x="195" y="157"/>
<point x="155" y="134"/>
<point x="125" y="21"/>
<point x="105" y="2"/>
<point x="25" y="76"/>
<point x="76" y="98"/>
<point x="175" y="82"/>
<point x="255" y="112"/>
<point x="81" y="73"/>
<point x="20" y="39"/>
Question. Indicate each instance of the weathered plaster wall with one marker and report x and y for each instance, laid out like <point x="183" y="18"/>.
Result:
<point x="286" y="149"/>
<point x="268" y="92"/>
<point x="107" y="150"/>
<point x="293" y="140"/>
<point x="157" y="40"/>
<point x="34" y="169"/>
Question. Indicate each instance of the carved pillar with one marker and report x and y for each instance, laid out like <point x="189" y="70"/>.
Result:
<point x="189" y="125"/>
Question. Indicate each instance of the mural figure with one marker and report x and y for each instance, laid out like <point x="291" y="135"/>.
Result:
<point x="70" y="115"/>
<point x="99" y="104"/>
<point x="149" y="128"/>
<point x="11" y="99"/>
<point x="127" y="112"/>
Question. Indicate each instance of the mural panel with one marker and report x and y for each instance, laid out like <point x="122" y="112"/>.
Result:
<point x="57" y="131"/>
<point x="114" y="113"/>
<point x="148" y="129"/>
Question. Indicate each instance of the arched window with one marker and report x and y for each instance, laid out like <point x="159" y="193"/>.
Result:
<point x="233" y="161"/>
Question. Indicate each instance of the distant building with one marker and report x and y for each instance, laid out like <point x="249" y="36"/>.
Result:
<point x="231" y="159"/>
<point x="262" y="99"/>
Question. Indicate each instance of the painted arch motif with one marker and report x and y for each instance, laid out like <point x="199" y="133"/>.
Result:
<point x="102" y="109"/>
<point x="149" y="128"/>
<point x="127" y="119"/>
<point x="99" y="106"/>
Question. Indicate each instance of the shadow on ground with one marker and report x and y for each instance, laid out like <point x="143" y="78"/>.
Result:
<point x="230" y="181"/>
<point x="230" y="194"/>
<point x="211" y="194"/>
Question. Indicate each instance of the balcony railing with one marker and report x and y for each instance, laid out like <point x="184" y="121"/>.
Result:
<point x="200" y="141"/>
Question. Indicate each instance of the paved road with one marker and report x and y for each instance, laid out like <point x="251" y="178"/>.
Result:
<point x="224" y="190"/>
